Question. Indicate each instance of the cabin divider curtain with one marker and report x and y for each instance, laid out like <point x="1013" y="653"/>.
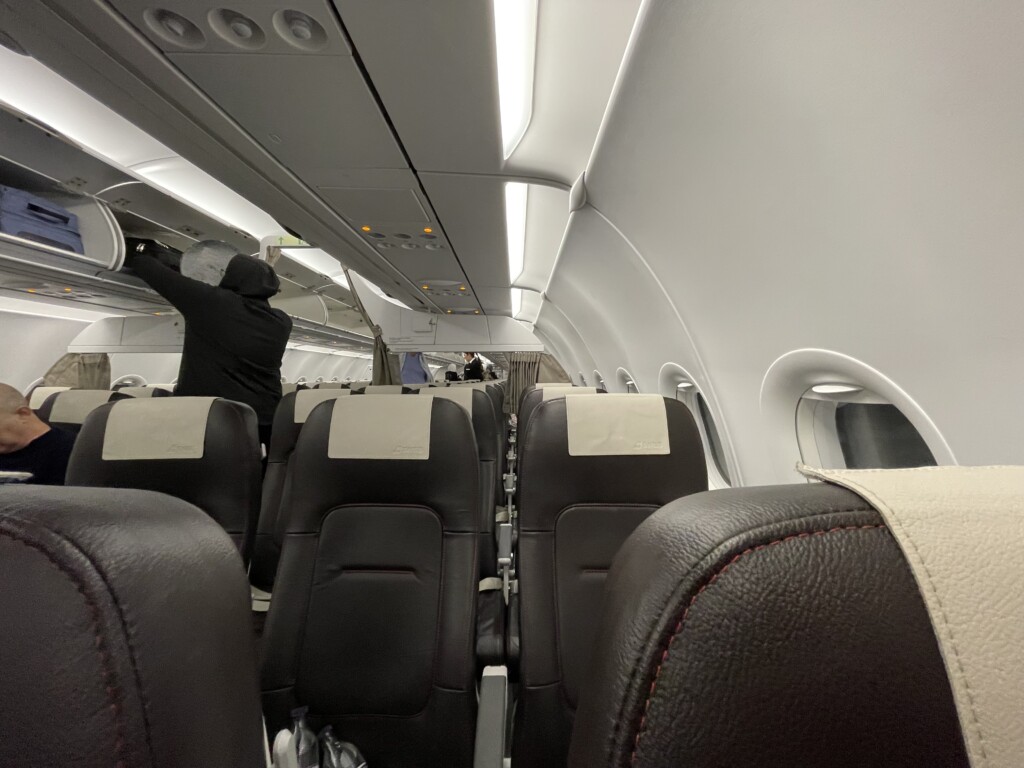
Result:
<point x="524" y="368"/>
<point x="385" y="365"/>
<point x="80" y="371"/>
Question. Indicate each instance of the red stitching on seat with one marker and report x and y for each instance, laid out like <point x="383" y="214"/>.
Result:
<point x="686" y="612"/>
<point x="112" y="691"/>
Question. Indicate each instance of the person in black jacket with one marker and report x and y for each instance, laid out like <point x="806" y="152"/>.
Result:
<point x="234" y="339"/>
<point x="474" y="369"/>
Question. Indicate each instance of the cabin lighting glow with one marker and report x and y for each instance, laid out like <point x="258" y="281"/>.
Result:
<point x="515" y="228"/>
<point x="427" y="230"/>
<point x="515" y="37"/>
<point x="517" y="301"/>
<point x="365" y="229"/>
<point x="684" y="385"/>
<point x="462" y="287"/>
<point x="42" y="94"/>
<point x="834" y="389"/>
<point x="320" y="262"/>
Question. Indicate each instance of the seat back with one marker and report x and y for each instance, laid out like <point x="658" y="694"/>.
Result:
<point x="535" y="396"/>
<point x="591" y="469"/>
<point x="201" y="449"/>
<point x="291" y="414"/>
<point x="373" y="614"/>
<point x="384" y="389"/>
<point x="126" y="634"/>
<point x="784" y="620"/>
<point x="67" y="410"/>
<point x="485" y="429"/>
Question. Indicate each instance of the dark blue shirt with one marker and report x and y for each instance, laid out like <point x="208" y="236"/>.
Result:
<point x="46" y="458"/>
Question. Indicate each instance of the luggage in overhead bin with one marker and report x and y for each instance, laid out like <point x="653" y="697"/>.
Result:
<point x="31" y="217"/>
<point x="165" y="254"/>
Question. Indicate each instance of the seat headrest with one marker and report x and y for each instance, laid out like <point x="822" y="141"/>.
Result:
<point x="73" y="405"/>
<point x="308" y="399"/>
<point x="157" y="429"/>
<point x="461" y="395"/>
<point x="288" y="387"/>
<point x="141" y="391"/>
<point x="383" y="389"/>
<point x="127" y="614"/>
<point x="39" y="395"/>
<point x="551" y="392"/>
<point x="381" y="428"/>
<point x="330" y="385"/>
<point x="616" y="425"/>
<point x="785" y="620"/>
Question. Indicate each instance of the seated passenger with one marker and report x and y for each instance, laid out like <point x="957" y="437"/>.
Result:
<point x="28" y="444"/>
<point x="414" y="368"/>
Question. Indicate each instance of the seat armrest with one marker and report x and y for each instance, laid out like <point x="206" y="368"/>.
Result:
<point x="491" y="719"/>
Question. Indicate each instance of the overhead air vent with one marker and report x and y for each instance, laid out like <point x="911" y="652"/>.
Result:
<point x="302" y="31"/>
<point x="239" y="30"/>
<point x="174" y="28"/>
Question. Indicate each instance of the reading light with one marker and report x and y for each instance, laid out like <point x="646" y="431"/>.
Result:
<point x="365" y="229"/>
<point x="427" y="230"/>
<point x="476" y="311"/>
<point x="462" y="287"/>
<point x="425" y="287"/>
<point x="515" y="37"/>
<point x="835" y="389"/>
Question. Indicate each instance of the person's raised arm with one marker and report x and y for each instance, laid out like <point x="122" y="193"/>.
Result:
<point x="188" y="296"/>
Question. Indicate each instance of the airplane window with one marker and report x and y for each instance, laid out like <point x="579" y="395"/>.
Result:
<point x="627" y="382"/>
<point x="677" y="384"/>
<point x="714" y="441"/>
<point x="599" y="381"/>
<point x="841" y="426"/>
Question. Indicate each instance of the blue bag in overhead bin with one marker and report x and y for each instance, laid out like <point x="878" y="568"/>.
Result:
<point x="34" y="218"/>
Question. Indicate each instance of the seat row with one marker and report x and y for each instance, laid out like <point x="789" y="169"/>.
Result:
<point x="719" y="605"/>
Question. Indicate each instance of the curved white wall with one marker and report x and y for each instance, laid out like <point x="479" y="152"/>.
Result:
<point x="775" y="175"/>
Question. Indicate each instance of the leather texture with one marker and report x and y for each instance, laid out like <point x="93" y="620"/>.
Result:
<point x="961" y="530"/>
<point x="374" y="610"/>
<point x="775" y="626"/>
<point x="269" y="537"/>
<point x="224" y="483"/>
<point x="574" y="514"/>
<point x="126" y="638"/>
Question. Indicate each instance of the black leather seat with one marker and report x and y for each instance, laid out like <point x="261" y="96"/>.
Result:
<point x="766" y="627"/>
<point x="144" y="391"/>
<point x="291" y="414"/>
<point x="534" y="396"/>
<point x="67" y="410"/>
<point x="126" y="638"/>
<point x="372" y="621"/>
<point x="490" y="646"/>
<point x="574" y="513"/>
<point x="203" y="450"/>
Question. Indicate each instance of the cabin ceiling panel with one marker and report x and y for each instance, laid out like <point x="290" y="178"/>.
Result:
<point x="433" y="64"/>
<point x="472" y="212"/>
<point x="580" y="44"/>
<point x="547" y="214"/>
<point x="313" y="113"/>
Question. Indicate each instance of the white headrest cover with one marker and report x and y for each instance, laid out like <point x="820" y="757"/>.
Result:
<point x="308" y="399"/>
<point x="288" y="387"/>
<point x="961" y="530"/>
<point x="157" y="428"/>
<point x="39" y="395"/>
<point x="164" y="387"/>
<point x="469" y="384"/>
<point x="73" y="406"/>
<point x="549" y="393"/>
<point x="329" y="385"/>
<point x="137" y="391"/>
<point x="383" y="389"/>
<point x="544" y="384"/>
<point x="461" y="395"/>
<point x="371" y="427"/>
<point x="617" y="425"/>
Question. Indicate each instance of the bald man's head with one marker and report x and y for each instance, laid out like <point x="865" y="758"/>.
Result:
<point x="19" y="426"/>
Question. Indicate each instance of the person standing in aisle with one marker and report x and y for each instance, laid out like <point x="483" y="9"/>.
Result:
<point x="474" y="369"/>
